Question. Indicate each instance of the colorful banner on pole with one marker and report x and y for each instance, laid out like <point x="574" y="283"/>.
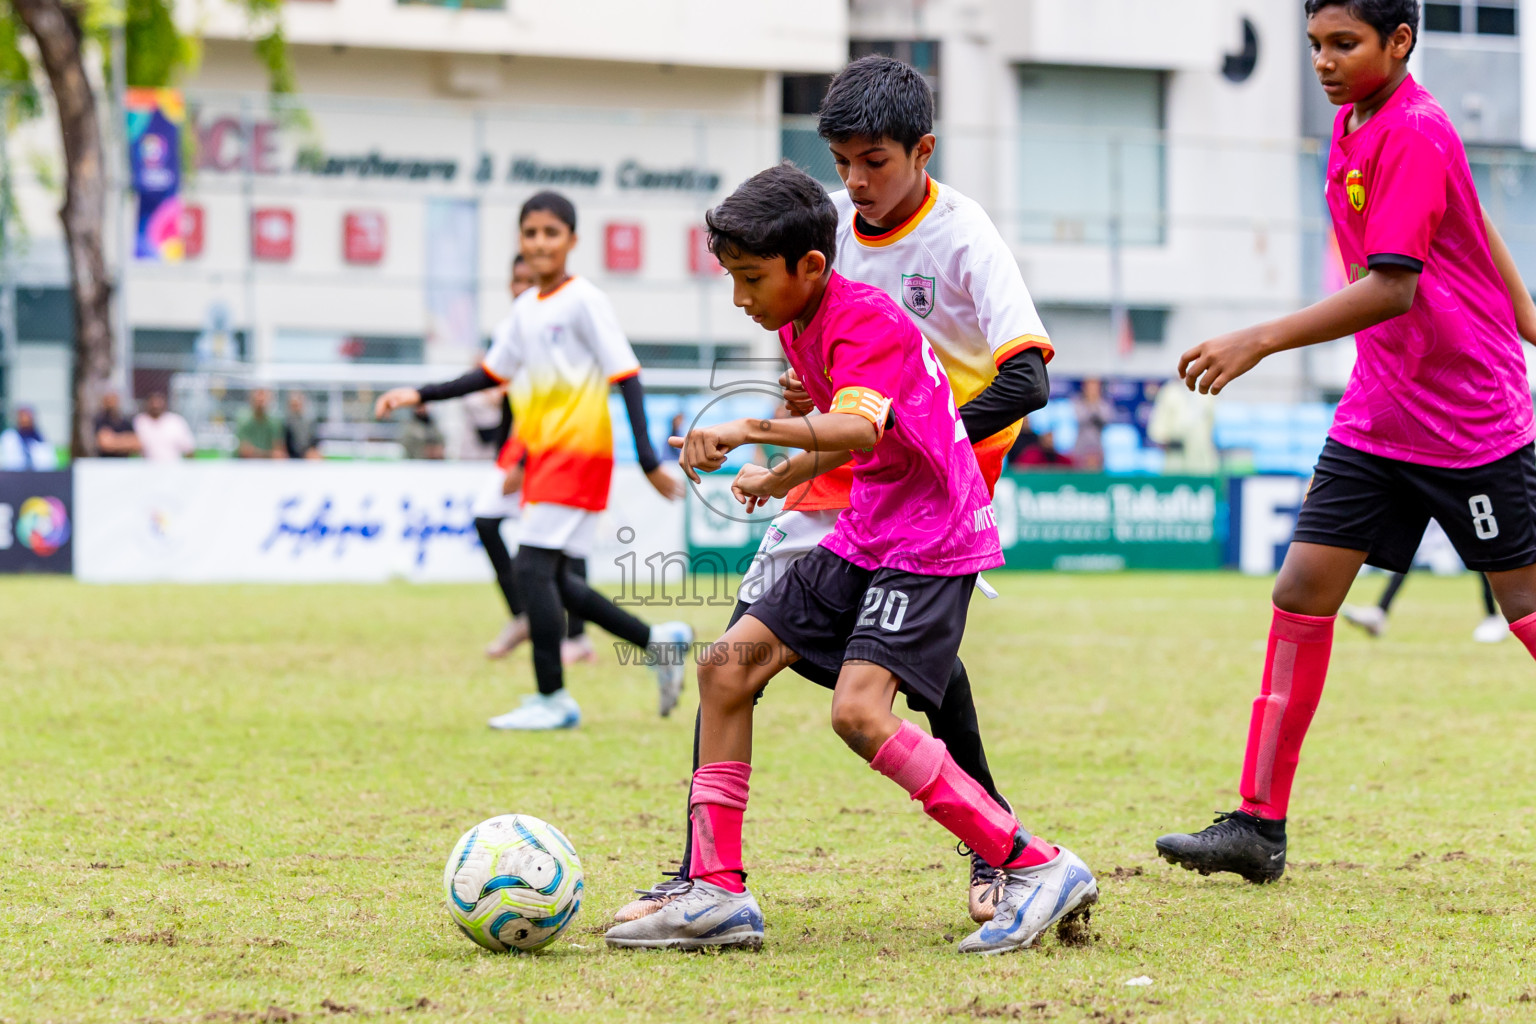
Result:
<point x="155" y="119"/>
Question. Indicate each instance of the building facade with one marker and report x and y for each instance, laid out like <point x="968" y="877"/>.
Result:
<point x="1157" y="169"/>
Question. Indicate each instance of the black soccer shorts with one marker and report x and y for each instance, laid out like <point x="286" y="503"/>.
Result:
<point x="1381" y="506"/>
<point x="828" y="611"/>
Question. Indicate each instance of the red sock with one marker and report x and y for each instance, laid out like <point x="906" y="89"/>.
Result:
<point x="921" y="765"/>
<point x="1294" y="670"/>
<point x="719" y="797"/>
<point x="1525" y="629"/>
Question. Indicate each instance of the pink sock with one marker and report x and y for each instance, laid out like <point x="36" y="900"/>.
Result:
<point x="1294" y="671"/>
<point x="921" y="765"/>
<point x="1525" y="629"/>
<point x="718" y="800"/>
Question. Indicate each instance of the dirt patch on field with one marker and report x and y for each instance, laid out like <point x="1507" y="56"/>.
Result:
<point x="1076" y="930"/>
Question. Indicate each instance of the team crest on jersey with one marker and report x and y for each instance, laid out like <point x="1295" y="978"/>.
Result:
<point x="1354" y="188"/>
<point x="917" y="293"/>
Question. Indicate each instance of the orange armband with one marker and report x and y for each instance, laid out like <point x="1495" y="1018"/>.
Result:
<point x="865" y="402"/>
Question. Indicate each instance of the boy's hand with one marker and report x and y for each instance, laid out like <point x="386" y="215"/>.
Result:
<point x="796" y="398"/>
<point x="395" y="398"/>
<point x="1212" y="365"/>
<point x="755" y="486"/>
<point x="706" y="447"/>
<point x="667" y="485"/>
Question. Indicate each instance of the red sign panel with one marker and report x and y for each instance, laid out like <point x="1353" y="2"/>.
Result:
<point x="700" y="260"/>
<point x="272" y="230"/>
<point x="623" y="247"/>
<point x="192" y="230"/>
<point x="363" y="233"/>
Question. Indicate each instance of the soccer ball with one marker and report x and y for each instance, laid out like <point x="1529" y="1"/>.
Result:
<point x="513" y="882"/>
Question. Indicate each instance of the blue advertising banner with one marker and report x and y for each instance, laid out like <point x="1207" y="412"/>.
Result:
<point x="155" y="118"/>
<point x="36" y="523"/>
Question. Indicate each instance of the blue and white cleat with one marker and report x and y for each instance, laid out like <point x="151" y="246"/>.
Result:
<point x="704" y="916"/>
<point x="669" y="648"/>
<point x="538" y="713"/>
<point x="1033" y="899"/>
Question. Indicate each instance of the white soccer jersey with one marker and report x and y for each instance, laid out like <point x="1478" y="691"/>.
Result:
<point x="948" y="267"/>
<point x="561" y="352"/>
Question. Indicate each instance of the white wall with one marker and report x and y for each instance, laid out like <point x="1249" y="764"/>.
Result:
<point x="798" y="35"/>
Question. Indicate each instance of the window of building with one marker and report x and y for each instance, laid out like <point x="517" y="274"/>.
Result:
<point x="1091" y="157"/>
<point x="1480" y="17"/>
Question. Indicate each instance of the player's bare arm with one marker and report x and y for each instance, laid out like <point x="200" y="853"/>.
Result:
<point x="706" y="448"/>
<point x="1385" y="292"/>
<point x="1519" y="295"/>
<point x="756" y="485"/>
<point x="395" y="398"/>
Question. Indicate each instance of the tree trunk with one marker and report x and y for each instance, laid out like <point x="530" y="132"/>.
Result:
<point x="56" y="28"/>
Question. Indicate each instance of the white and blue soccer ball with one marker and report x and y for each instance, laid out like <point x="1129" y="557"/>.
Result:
<point x="513" y="882"/>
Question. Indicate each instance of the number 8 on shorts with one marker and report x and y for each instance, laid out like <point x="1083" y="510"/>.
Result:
<point x="1483" y="522"/>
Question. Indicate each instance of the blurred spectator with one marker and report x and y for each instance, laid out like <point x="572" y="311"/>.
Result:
<point x="163" y="435"/>
<point x="421" y="438"/>
<point x="299" y="430"/>
<point x="260" y="436"/>
<point x="1043" y="453"/>
<point x="1184" y="423"/>
<point x="1026" y="440"/>
<point x="114" y="434"/>
<point x="1094" y="413"/>
<point x="678" y="428"/>
<point x="22" y="447"/>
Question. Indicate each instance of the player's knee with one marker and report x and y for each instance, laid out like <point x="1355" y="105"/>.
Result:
<point x="724" y="684"/>
<point x="853" y="721"/>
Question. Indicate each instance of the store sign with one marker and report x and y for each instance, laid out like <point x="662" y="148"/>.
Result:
<point x="234" y="145"/>
<point x="192" y="219"/>
<point x="272" y="231"/>
<point x="36" y="523"/>
<point x="362" y="237"/>
<point x="622" y="247"/>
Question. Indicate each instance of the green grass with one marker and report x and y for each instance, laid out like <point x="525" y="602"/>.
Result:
<point x="234" y="803"/>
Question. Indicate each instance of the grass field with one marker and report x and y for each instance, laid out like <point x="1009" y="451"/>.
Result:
<point x="234" y="803"/>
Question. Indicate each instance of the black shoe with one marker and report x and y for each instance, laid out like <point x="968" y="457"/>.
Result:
<point x="1238" y="842"/>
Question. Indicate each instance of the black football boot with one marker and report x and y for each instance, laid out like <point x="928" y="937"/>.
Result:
<point x="1238" y="842"/>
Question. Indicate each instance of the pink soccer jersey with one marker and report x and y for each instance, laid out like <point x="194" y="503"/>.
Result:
<point x="1444" y="384"/>
<point x="918" y="502"/>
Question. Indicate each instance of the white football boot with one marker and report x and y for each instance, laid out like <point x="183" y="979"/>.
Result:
<point x="1032" y="900"/>
<point x="538" y="713"/>
<point x="704" y="916"/>
<point x="670" y="645"/>
<point x="1491" y="630"/>
<point x="1370" y="618"/>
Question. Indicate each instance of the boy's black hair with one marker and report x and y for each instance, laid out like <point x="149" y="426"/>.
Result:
<point x="517" y="259"/>
<point x="877" y="97"/>
<point x="1382" y="15"/>
<point x="549" y="202"/>
<point x="778" y="212"/>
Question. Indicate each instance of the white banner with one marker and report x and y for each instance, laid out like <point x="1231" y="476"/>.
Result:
<point x="320" y="522"/>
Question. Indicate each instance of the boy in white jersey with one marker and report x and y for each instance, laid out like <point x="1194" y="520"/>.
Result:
<point x="561" y="349"/>
<point x="937" y="254"/>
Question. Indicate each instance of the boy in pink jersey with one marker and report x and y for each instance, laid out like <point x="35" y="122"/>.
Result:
<point x="1436" y="422"/>
<point x="881" y="603"/>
